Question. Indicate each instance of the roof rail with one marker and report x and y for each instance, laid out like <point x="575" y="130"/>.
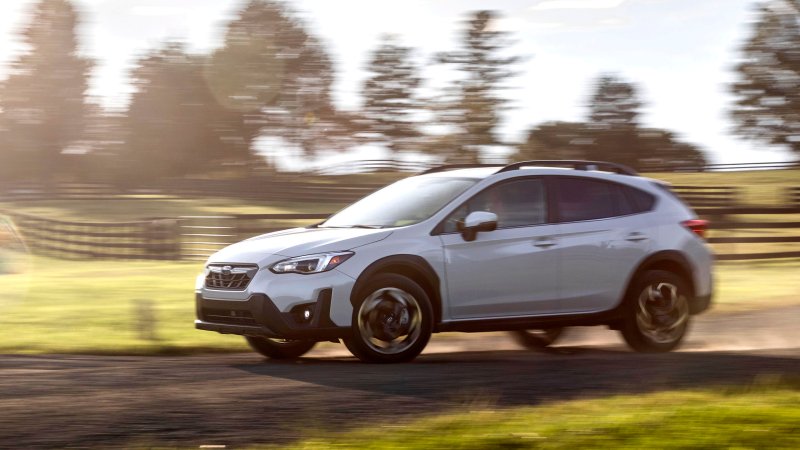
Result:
<point x="574" y="164"/>
<point x="447" y="167"/>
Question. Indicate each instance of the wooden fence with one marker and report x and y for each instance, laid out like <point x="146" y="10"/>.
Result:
<point x="203" y="235"/>
<point x="775" y="235"/>
<point x="708" y="196"/>
<point x="147" y="239"/>
<point x="261" y="189"/>
<point x="793" y="196"/>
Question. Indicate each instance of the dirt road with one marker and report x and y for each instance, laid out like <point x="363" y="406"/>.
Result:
<point x="237" y="399"/>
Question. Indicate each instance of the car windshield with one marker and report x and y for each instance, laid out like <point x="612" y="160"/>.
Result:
<point x="405" y="202"/>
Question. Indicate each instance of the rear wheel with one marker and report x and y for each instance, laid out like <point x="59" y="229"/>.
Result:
<point x="657" y="312"/>
<point x="279" y="348"/>
<point x="392" y="322"/>
<point x="537" y="339"/>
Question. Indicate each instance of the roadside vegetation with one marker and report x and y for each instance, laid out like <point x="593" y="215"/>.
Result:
<point x="147" y="307"/>
<point x="758" y="416"/>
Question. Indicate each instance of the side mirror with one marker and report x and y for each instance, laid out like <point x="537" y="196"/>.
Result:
<point x="477" y="221"/>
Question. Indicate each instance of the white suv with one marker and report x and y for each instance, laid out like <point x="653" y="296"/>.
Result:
<point x="530" y="248"/>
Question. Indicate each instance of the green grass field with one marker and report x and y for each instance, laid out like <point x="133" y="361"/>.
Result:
<point x="145" y="307"/>
<point x="764" y="416"/>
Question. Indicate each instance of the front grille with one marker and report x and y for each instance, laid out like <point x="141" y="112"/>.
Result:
<point x="229" y="277"/>
<point x="228" y="316"/>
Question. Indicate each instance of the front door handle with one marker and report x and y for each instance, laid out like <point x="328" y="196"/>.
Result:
<point x="544" y="242"/>
<point x="635" y="236"/>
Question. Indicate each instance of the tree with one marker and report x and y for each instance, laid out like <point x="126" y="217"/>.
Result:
<point x="43" y="99"/>
<point x="663" y="150"/>
<point x="475" y="104"/>
<point x="175" y="125"/>
<point x="614" y="121"/>
<point x="768" y="91"/>
<point x="277" y="74"/>
<point x="390" y="99"/>
<point x="556" y="140"/>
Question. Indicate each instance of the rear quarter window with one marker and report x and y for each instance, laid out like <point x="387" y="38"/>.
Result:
<point x="638" y="200"/>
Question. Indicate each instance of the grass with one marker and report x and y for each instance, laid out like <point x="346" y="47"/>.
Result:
<point x="57" y="306"/>
<point x="147" y="307"/>
<point x="752" y="417"/>
<point x="742" y="285"/>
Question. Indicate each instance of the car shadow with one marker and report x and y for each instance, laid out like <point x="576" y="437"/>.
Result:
<point x="512" y="378"/>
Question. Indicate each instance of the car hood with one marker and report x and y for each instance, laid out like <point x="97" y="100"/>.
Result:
<point x="297" y="242"/>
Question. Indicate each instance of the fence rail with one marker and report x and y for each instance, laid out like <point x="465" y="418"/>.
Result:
<point x="197" y="237"/>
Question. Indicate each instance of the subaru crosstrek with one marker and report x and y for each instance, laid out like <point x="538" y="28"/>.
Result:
<point x="530" y="248"/>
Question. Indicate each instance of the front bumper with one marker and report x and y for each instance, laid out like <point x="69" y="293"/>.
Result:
<point x="258" y="316"/>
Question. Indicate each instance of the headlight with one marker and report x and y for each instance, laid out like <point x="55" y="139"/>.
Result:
<point x="321" y="262"/>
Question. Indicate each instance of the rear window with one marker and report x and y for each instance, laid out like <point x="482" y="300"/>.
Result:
<point x="588" y="199"/>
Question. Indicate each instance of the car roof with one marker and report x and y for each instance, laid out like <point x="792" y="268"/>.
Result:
<point x="485" y="172"/>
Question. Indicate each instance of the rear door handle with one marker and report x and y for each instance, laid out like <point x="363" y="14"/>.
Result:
<point x="635" y="236"/>
<point x="544" y="242"/>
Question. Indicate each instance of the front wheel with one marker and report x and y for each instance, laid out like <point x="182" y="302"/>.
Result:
<point x="279" y="348"/>
<point x="657" y="312"/>
<point x="537" y="339"/>
<point x="392" y="322"/>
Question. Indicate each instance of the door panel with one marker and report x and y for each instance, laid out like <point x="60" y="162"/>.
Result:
<point x="597" y="258"/>
<point x="506" y="272"/>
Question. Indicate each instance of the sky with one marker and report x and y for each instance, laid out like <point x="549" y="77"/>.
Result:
<point x="679" y="53"/>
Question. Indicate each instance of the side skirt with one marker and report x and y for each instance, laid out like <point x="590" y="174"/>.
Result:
<point x="610" y="318"/>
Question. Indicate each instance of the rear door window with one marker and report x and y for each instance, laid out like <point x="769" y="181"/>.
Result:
<point x="579" y="199"/>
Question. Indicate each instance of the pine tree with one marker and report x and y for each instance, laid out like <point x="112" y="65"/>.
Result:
<point x="768" y="91"/>
<point x="43" y="99"/>
<point x="473" y="108"/>
<point x="390" y="98"/>
<point x="614" y="121"/>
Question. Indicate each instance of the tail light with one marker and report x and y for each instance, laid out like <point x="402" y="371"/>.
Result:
<point x="696" y="226"/>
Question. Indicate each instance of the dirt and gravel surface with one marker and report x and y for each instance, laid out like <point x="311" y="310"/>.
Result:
<point x="240" y="399"/>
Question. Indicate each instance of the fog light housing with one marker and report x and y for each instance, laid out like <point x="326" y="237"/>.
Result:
<point x="303" y="314"/>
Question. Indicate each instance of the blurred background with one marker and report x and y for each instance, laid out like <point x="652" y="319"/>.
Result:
<point x="138" y="136"/>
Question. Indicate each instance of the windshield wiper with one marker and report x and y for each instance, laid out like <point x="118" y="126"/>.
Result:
<point x="371" y="227"/>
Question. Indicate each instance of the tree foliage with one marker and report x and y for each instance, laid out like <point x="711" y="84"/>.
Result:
<point x="556" y="140"/>
<point x="43" y="98"/>
<point x="472" y="108"/>
<point x="391" y="104"/>
<point x="614" y="121"/>
<point x="271" y="69"/>
<point x="611" y="133"/>
<point x="175" y="125"/>
<point x="768" y="90"/>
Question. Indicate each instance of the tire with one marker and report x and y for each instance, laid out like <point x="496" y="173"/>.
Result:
<point x="392" y="320"/>
<point x="279" y="349"/>
<point x="537" y="339"/>
<point x="656" y="315"/>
